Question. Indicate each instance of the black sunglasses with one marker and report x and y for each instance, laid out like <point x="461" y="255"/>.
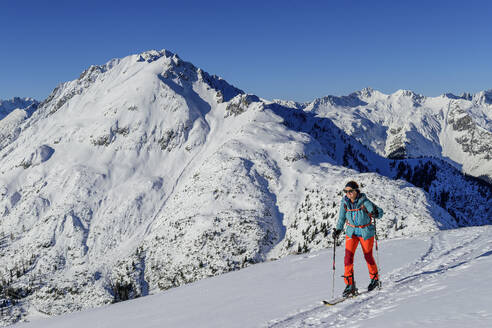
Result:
<point x="348" y="190"/>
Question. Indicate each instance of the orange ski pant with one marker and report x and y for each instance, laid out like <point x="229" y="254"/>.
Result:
<point x="350" y="247"/>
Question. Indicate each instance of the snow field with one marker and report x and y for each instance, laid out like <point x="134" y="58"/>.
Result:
<point x="432" y="280"/>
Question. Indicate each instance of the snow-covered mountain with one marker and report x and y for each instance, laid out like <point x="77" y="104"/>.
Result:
<point x="147" y="173"/>
<point x="408" y="125"/>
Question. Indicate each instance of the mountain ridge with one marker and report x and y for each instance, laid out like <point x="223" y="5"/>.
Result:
<point x="455" y="130"/>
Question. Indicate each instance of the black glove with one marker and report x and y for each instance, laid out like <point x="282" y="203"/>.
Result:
<point x="336" y="233"/>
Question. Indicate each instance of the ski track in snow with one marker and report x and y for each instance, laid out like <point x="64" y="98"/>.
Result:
<point x="446" y="252"/>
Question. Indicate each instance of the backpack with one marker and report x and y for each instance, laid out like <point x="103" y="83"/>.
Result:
<point x="376" y="213"/>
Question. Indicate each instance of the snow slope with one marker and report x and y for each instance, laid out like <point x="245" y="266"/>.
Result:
<point x="433" y="280"/>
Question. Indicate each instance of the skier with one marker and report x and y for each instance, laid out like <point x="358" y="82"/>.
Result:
<point x="354" y="211"/>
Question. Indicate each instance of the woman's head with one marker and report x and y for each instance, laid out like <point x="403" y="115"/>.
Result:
<point x="351" y="190"/>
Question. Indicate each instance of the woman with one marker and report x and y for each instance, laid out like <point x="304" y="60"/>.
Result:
<point x="354" y="210"/>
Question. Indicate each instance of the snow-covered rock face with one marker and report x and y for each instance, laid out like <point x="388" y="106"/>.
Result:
<point x="147" y="173"/>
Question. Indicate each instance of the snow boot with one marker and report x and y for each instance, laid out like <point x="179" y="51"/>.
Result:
<point x="349" y="290"/>
<point x="374" y="283"/>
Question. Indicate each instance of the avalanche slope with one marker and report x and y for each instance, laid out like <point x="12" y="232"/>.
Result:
<point x="437" y="279"/>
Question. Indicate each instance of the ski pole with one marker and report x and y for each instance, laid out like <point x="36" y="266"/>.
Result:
<point x="377" y="252"/>
<point x="333" y="278"/>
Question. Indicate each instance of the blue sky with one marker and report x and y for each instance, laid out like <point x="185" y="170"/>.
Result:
<point x="293" y="50"/>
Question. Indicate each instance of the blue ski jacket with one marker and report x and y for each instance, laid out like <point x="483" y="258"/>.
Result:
<point x="358" y="217"/>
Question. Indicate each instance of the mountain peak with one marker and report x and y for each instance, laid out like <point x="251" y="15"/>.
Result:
<point x="186" y="70"/>
<point x="415" y="97"/>
<point x="406" y="93"/>
<point x="166" y="65"/>
<point x="152" y="55"/>
<point x="367" y="92"/>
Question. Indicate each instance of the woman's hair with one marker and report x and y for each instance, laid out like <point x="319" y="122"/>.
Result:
<point x="352" y="184"/>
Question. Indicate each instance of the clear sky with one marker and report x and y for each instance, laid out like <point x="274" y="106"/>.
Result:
<point x="292" y="50"/>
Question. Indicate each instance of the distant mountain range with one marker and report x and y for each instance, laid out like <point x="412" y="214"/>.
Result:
<point x="408" y="125"/>
<point x="7" y="106"/>
<point x="147" y="173"/>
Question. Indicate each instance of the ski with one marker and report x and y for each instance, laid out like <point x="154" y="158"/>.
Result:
<point x="336" y="300"/>
<point x="343" y="298"/>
